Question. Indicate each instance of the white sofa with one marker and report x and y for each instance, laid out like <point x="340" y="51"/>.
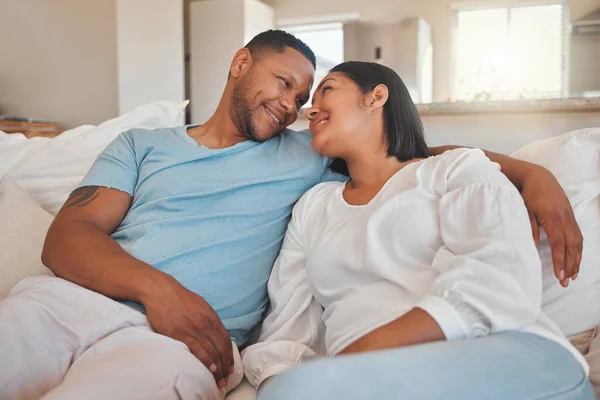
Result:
<point x="46" y="170"/>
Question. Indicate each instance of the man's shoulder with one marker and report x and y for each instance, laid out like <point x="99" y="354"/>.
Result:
<point x="299" y="143"/>
<point x="302" y="138"/>
<point x="143" y="137"/>
<point x="154" y="132"/>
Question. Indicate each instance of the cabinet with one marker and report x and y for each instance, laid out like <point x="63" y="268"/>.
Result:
<point x="404" y="46"/>
<point x="217" y="29"/>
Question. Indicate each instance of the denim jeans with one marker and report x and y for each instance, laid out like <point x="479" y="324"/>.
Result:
<point x="505" y="366"/>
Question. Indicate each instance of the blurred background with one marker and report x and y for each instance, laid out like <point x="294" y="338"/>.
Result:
<point x="74" y="62"/>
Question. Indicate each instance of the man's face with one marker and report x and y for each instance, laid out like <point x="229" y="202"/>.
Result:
<point x="268" y="97"/>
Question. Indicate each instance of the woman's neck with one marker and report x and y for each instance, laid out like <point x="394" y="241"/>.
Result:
<point x="372" y="170"/>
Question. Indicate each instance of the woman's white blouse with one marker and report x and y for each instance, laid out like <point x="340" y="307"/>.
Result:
<point x="449" y="234"/>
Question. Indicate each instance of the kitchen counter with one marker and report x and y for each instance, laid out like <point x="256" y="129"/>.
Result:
<point x="512" y="106"/>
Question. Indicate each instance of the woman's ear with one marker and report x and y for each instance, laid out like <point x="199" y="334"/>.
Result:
<point x="242" y="60"/>
<point x="377" y="97"/>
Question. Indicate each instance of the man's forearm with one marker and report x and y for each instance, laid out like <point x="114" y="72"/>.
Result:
<point x="515" y="170"/>
<point x="79" y="252"/>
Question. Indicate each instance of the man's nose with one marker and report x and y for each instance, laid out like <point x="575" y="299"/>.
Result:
<point x="289" y="105"/>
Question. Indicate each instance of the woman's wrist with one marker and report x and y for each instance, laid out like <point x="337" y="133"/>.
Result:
<point x="414" y="327"/>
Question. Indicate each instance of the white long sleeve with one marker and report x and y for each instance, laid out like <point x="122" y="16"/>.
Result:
<point x="449" y="234"/>
<point x="293" y="330"/>
<point x="487" y="244"/>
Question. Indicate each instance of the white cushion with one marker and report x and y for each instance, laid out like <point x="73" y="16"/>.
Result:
<point x="22" y="233"/>
<point x="574" y="159"/>
<point x="49" y="169"/>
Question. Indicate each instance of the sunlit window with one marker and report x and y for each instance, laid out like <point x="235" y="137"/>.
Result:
<point x="326" y="41"/>
<point x="509" y="53"/>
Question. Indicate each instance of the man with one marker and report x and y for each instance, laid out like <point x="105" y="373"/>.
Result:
<point x="183" y="226"/>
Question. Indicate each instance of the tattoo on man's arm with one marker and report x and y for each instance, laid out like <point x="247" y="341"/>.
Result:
<point x="82" y="196"/>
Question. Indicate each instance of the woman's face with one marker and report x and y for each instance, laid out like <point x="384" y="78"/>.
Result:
<point x="339" y="118"/>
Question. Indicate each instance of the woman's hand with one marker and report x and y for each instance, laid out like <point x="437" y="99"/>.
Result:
<point x="414" y="327"/>
<point x="550" y="209"/>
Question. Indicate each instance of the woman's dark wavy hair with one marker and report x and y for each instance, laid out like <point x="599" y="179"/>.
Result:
<point x="403" y="130"/>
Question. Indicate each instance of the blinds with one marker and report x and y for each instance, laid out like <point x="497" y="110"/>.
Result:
<point x="509" y="53"/>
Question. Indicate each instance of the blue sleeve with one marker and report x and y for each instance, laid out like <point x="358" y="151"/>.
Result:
<point x="116" y="167"/>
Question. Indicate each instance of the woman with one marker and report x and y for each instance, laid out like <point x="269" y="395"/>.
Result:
<point x="410" y="255"/>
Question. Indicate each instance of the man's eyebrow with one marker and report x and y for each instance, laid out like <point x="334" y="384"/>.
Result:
<point x="289" y="76"/>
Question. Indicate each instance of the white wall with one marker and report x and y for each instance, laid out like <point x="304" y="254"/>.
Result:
<point x="58" y="60"/>
<point x="579" y="8"/>
<point x="217" y="29"/>
<point x="150" y="52"/>
<point x="258" y="17"/>
<point x="216" y="33"/>
<point x="584" y="64"/>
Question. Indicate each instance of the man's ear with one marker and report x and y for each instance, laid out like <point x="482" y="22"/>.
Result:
<point x="377" y="98"/>
<point x="242" y="61"/>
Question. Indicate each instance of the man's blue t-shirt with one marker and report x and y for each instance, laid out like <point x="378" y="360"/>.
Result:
<point x="214" y="219"/>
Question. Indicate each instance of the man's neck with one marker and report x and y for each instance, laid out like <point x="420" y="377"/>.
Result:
<point x="219" y="131"/>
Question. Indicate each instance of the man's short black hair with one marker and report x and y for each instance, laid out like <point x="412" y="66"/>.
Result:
<point x="278" y="40"/>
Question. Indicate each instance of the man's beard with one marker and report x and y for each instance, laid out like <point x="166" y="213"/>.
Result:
<point x="241" y="111"/>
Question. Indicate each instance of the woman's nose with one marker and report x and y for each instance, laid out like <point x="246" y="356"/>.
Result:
<point x="311" y="113"/>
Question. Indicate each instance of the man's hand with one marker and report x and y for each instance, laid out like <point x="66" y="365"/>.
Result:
<point x="180" y="314"/>
<point x="550" y="209"/>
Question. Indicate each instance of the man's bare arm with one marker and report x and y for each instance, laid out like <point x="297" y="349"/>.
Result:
<point x="79" y="248"/>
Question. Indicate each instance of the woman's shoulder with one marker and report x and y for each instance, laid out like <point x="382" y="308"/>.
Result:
<point x="454" y="158"/>
<point x="316" y="197"/>
<point x="319" y="192"/>
<point x="462" y="167"/>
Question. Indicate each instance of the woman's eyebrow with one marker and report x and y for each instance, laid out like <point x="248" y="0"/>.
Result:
<point x="323" y="82"/>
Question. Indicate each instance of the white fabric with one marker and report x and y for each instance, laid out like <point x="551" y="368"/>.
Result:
<point x="448" y="234"/>
<point x="49" y="169"/>
<point x="574" y="158"/>
<point x="60" y="341"/>
<point x="23" y="226"/>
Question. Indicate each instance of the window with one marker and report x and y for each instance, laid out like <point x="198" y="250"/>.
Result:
<point x="326" y="41"/>
<point x="509" y="53"/>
